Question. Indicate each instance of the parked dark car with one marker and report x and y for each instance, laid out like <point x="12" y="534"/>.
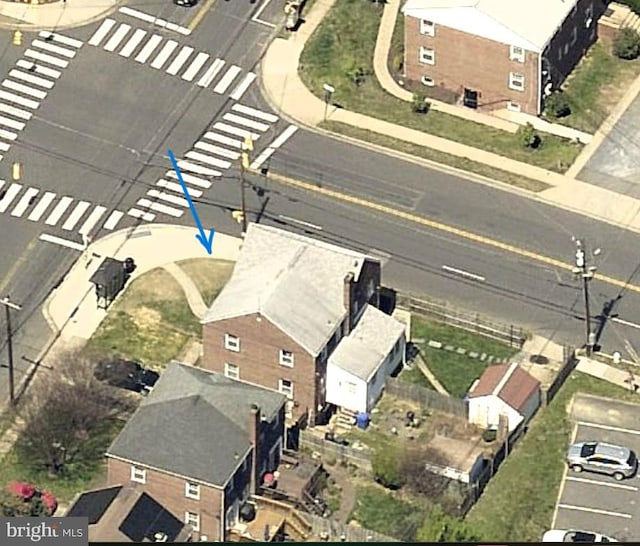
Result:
<point x="126" y="374"/>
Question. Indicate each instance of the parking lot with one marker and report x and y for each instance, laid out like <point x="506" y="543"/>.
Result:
<point x="593" y="502"/>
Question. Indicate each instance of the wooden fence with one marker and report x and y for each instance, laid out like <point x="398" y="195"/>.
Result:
<point x="570" y="363"/>
<point x="345" y="454"/>
<point x="335" y="531"/>
<point x="427" y="398"/>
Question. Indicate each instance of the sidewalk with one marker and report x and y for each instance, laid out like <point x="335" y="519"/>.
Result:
<point x="54" y="16"/>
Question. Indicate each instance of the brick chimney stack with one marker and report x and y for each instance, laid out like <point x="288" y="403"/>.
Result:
<point x="348" y="301"/>
<point x="254" y="435"/>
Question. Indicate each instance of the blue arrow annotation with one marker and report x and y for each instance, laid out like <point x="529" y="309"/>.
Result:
<point x="205" y="240"/>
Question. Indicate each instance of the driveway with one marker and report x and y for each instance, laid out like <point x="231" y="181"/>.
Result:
<point x="592" y="502"/>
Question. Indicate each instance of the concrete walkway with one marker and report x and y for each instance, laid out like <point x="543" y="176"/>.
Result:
<point x="54" y="16"/>
<point x="607" y="373"/>
<point x="191" y="291"/>
<point x="424" y="369"/>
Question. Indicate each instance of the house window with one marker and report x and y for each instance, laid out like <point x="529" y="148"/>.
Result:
<point x="516" y="54"/>
<point x="231" y="371"/>
<point x="513" y="106"/>
<point x="351" y="388"/>
<point x="138" y="474"/>
<point x="427" y="55"/>
<point x="193" y="519"/>
<point x="232" y="343"/>
<point x="427" y="27"/>
<point x="516" y="81"/>
<point x="192" y="490"/>
<point x="286" y="387"/>
<point x="286" y="358"/>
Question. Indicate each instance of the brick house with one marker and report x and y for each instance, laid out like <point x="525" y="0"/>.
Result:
<point x="495" y="54"/>
<point x="289" y="302"/>
<point x="200" y="444"/>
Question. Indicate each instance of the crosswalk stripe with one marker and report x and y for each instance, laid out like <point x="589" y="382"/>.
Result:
<point x="9" y="195"/>
<point x="242" y="87"/>
<point x="154" y="20"/>
<point x="192" y="167"/>
<point x="138" y="14"/>
<point x="216" y="150"/>
<point x="75" y="216"/>
<point x="168" y="197"/>
<point x="48" y="35"/>
<point x="58" y="211"/>
<point x="92" y="220"/>
<point x="257" y="125"/>
<point x="42" y="206"/>
<point x="190" y="179"/>
<point x="223" y="139"/>
<point x="58" y="50"/>
<point x="227" y="79"/>
<point x="113" y="220"/>
<point x="202" y="158"/>
<point x="175" y="186"/>
<point x="148" y="48"/>
<point x="284" y="136"/>
<point x="195" y="66"/>
<point x="24" y="202"/>
<point x="17" y="125"/>
<point x="15" y="86"/>
<point x="15" y="112"/>
<point x="100" y="34"/>
<point x="137" y="213"/>
<point x="49" y="59"/>
<point x="18" y="99"/>
<point x="133" y="42"/>
<point x="8" y="135"/>
<point x="117" y="37"/>
<point x="211" y="73"/>
<point x="31" y="79"/>
<point x="3" y="148"/>
<point x="254" y="113"/>
<point x="159" y="207"/>
<point x="180" y="59"/>
<point x="164" y="54"/>
<point x="237" y="131"/>
<point x="266" y="154"/>
<point x="30" y="66"/>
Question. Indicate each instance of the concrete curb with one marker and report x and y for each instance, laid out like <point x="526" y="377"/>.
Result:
<point x="34" y="27"/>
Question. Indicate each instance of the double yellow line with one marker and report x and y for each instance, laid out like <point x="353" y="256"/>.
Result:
<point x="200" y="15"/>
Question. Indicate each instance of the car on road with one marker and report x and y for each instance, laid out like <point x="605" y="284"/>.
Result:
<point x="126" y="374"/>
<point x="185" y="3"/>
<point x="616" y="461"/>
<point x="571" y="535"/>
<point x="292" y="10"/>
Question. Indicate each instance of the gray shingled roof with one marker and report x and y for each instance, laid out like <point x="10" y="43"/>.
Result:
<point x="294" y="281"/>
<point x="363" y="350"/>
<point x="194" y="423"/>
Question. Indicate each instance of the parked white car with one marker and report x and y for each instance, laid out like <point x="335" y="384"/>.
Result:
<point x="558" y="535"/>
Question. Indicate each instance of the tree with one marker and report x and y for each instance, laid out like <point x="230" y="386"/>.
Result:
<point x="386" y="466"/>
<point x="626" y="44"/>
<point x="557" y="105"/>
<point x="415" y="474"/>
<point x="12" y="506"/>
<point x="441" y="527"/>
<point x="528" y="136"/>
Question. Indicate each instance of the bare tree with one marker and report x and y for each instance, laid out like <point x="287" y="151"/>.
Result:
<point x="416" y="475"/>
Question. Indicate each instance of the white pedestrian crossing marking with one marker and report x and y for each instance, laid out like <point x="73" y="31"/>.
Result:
<point x="180" y="59"/>
<point x="8" y="135"/>
<point x="58" y="50"/>
<point x="227" y="79"/>
<point x="154" y="20"/>
<point x="58" y="211"/>
<point x="47" y="35"/>
<point x="284" y="136"/>
<point x="195" y="66"/>
<point x="30" y="66"/>
<point x="42" y="206"/>
<point x="31" y="79"/>
<point x="257" y="125"/>
<point x="10" y="194"/>
<point x="164" y="54"/>
<point x="223" y="139"/>
<point x="11" y="97"/>
<point x="242" y="87"/>
<point x="3" y="148"/>
<point x="237" y="131"/>
<point x="117" y="37"/>
<point x="8" y="122"/>
<point x="190" y="179"/>
<point x="266" y="154"/>
<point x="24" y="202"/>
<point x="168" y="197"/>
<point x="137" y="213"/>
<point x="254" y="113"/>
<point x="133" y="42"/>
<point x="15" y="86"/>
<point x="159" y="207"/>
<point x="75" y="216"/>
<point x="216" y="150"/>
<point x="92" y="220"/>
<point x="202" y="158"/>
<point x="101" y="33"/>
<point x="148" y="48"/>
<point x="15" y="112"/>
<point x="192" y="167"/>
<point x="176" y="187"/>
<point x="211" y="73"/>
<point x="113" y="220"/>
<point x="49" y="59"/>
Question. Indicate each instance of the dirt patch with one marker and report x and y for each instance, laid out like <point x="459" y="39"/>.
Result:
<point x="145" y="318"/>
<point x="209" y="275"/>
<point x="157" y="285"/>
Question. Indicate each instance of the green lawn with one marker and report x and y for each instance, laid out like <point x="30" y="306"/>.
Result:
<point x="340" y="53"/>
<point x="518" y="503"/>
<point x="415" y="376"/>
<point x="455" y="372"/>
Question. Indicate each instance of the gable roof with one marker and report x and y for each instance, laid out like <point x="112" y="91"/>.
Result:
<point x="362" y="352"/>
<point x="530" y="24"/>
<point x="296" y="282"/>
<point x="509" y="382"/>
<point x="194" y="423"/>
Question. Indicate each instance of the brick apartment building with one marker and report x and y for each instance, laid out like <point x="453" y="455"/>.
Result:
<point x="495" y="54"/>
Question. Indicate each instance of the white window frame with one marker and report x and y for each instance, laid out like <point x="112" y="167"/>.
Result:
<point x="138" y="474"/>
<point x="193" y="519"/>
<point x="232" y="343"/>
<point x="427" y="28"/>
<point x="588" y="16"/>
<point x="516" y="77"/>
<point x="516" y="53"/>
<point x="192" y="490"/>
<point x="287" y="391"/>
<point x="427" y="55"/>
<point x="287" y="358"/>
<point x="228" y="367"/>
<point x="513" y="106"/>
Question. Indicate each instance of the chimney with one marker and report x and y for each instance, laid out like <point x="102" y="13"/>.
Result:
<point x="348" y="301"/>
<point x="254" y="435"/>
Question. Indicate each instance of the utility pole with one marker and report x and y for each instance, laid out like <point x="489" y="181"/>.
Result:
<point x="586" y="272"/>
<point x="8" y="306"/>
<point x="244" y="166"/>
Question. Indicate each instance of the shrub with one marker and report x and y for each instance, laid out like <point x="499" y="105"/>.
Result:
<point x="419" y="104"/>
<point x="528" y="136"/>
<point x="387" y="467"/>
<point x="557" y="105"/>
<point x="626" y="44"/>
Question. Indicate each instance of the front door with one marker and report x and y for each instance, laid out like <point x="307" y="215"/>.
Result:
<point x="470" y="99"/>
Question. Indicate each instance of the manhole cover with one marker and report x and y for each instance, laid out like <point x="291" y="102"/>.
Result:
<point x="539" y="359"/>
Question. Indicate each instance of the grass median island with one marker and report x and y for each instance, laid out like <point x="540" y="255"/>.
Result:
<point x="340" y="53"/>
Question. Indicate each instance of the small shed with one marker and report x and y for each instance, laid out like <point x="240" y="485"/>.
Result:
<point x="503" y="390"/>
<point x="461" y="460"/>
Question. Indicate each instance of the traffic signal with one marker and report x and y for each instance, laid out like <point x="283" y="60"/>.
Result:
<point x="17" y="38"/>
<point x="237" y="215"/>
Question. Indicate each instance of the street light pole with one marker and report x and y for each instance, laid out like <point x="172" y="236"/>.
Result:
<point x="244" y="165"/>
<point x="586" y="272"/>
<point x="8" y="305"/>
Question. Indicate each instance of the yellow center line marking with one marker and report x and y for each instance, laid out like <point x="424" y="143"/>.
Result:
<point x="462" y="233"/>
<point x="200" y="15"/>
<point x="17" y="264"/>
